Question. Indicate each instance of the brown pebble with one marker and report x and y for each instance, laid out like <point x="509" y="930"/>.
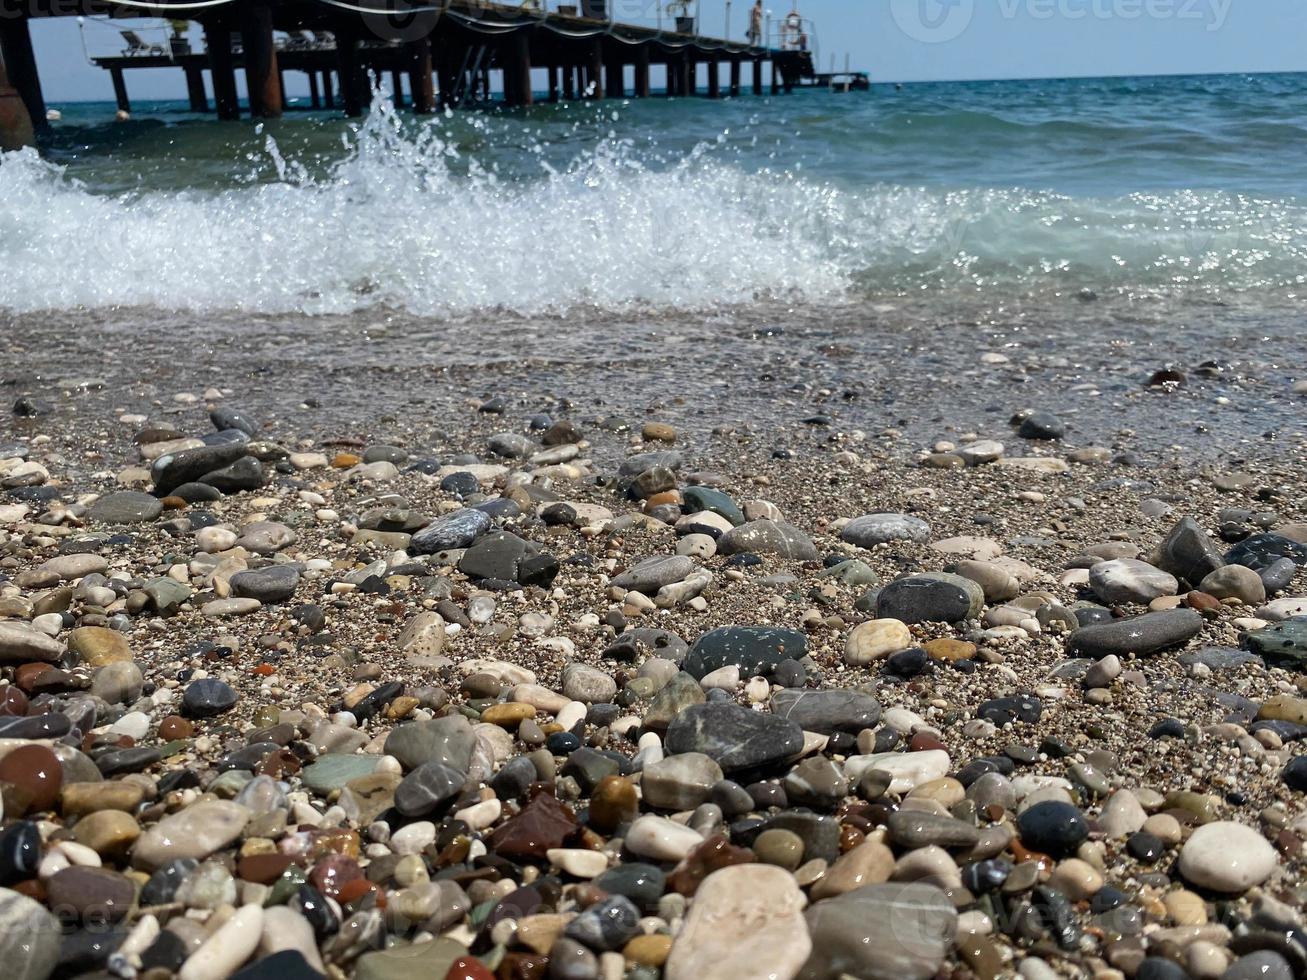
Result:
<point x="174" y="727"/>
<point x="614" y="802"/>
<point x="35" y="771"/>
<point x="923" y="741"/>
<point x="850" y="837"/>
<point x="648" y="950"/>
<point x="949" y="650"/>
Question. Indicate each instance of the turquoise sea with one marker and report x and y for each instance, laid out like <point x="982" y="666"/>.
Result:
<point x="1187" y="188"/>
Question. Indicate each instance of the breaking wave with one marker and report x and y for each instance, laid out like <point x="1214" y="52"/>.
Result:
<point x="406" y="220"/>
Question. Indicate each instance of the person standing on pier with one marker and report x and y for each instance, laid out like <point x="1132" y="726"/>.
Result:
<point x="755" y="23"/>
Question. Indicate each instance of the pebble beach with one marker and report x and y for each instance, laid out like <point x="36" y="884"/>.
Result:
<point x="527" y="684"/>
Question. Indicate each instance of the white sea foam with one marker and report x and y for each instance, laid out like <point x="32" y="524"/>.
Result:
<point x="396" y="224"/>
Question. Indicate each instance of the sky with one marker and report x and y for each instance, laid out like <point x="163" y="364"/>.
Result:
<point x="894" y="40"/>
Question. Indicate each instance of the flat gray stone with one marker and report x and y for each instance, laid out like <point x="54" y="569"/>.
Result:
<point x="651" y="574"/>
<point x="455" y="530"/>
<point x="769" y="538"/>
<point x="736" y="737"/>
<point x="125" y="507"/>
<point x="1128" y="580"/>
<point x="873" y="529"/>
<point x="270" y="585"/>
<point x="826" y="712"/>
<point x="893" y="931"/>
<point x="449" y="740"/>
<point x="1140" y="635"/>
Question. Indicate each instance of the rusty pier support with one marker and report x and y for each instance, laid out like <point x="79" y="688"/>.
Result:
<point x="15" y="124"/>
<point x="262" y="78"/>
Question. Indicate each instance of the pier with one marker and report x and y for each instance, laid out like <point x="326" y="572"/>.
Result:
<point x="445" y="54"/>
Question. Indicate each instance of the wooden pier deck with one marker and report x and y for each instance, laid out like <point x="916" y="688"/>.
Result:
<point x="436" y="54"/>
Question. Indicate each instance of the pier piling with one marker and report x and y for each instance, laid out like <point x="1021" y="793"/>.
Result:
<point x="419" y="80"/>
<point x="262" y="78"/>
<point x="350" y="70"/>
<point x="195" y="93"/>
<point x="15" y="124"/>
<point x="642" y="72"/>
<point x="120" y="90"/>
<point x="517" y="70"/>
<point x="20" y="63"/>
<point x="594" y="69"/>
<point x="222" y="67"/>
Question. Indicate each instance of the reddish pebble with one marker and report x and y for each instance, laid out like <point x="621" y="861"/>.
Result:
<point x="262" y="868"/>
<point x="279" y="764"/>
<point x="27" y="676"/>
<point x="1202" y="602"/>
<point x="174" y="726"/>
<point x="33" y="888"/>
<point x="850" y="837"/>
<point x="332" y="873"/>
<point x="13" y="702"/>
<point x="36" y="771"/>
<point x="351" y="891"/>
<point x="468" y="968"/>
<point x="924" y="741"/>
<point x="712" y="855"/>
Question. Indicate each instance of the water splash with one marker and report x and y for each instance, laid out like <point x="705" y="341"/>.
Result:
<point x="414" y="218"/>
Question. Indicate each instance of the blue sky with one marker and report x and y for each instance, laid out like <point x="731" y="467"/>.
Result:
<point x="896" y="40"/>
